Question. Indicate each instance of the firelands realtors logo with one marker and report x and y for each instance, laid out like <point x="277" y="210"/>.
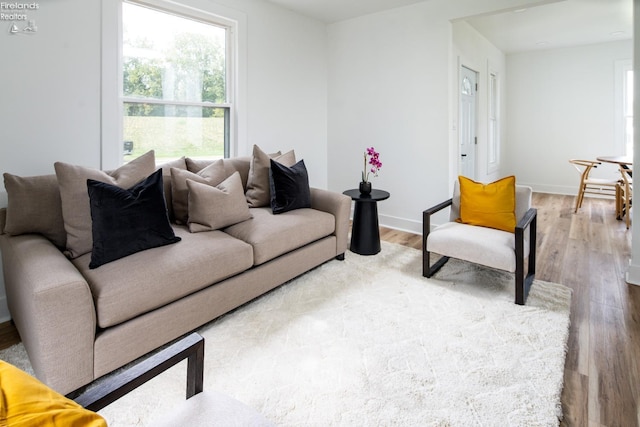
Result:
<point x="18" y="16"/>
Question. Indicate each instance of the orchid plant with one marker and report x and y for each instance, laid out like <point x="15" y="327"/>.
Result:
<point x="372" y="164"/>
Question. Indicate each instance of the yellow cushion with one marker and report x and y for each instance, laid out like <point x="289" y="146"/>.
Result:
<point x="25" y="401"/>
<point x="488" y="205"/>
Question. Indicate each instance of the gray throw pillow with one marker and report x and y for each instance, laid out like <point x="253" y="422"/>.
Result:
<point x="34" y="206"/>
<point x="213" y="208"/>
<point x="211" y="175"/>
<point x="76" y="210"/>
<point x="166" y="181"/>
<point x="258" y="192"/>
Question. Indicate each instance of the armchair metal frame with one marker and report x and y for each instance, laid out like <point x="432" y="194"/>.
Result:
<point x="523" y="280"/>
<point x="110" y="388"/>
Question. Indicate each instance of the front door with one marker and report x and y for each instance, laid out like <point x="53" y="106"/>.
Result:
<point x="468" y="141"/>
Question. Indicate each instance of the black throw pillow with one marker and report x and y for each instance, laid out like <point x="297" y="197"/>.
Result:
<point x="126" y="221"/>
<point x="289" y="187"/>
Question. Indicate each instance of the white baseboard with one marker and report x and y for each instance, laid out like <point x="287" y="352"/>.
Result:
<point x="633" y="274"/>
<point x="551" y="189"/>
<point x="401" y="224"/>
<point x="396" y="223"/>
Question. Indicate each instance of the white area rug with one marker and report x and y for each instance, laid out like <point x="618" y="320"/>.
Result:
<point x="369" y="342"/>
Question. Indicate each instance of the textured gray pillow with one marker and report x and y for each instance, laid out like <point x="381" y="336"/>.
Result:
<point x="166" y="181"/>
<point x="231" y="164"/>
<point x="211" y="175"/>
<point x="258" y="192"/>
<point x="213" y="208"/>
<point x="76" y="210"/>
<point x="34" y="206"/>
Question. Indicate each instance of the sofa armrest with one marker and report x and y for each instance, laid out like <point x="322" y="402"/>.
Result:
<point x="52" y="307"/>
<point x="426" y="219"/>
<point x="339" y="206"/>
<point x="427" y="269"/>
<point x="525" y="280"/>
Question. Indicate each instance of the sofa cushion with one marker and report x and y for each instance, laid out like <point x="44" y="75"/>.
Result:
<point x="126" y="221"/>
<point x="75" y="198"/>
<point x="130" y="286"/>
<point x="289" y="187"/>
<point x="273" y="235"/>
<point x="210" y="175"/>
<point x="34" y="206"/>
<point x="480" y="245"/>
<point x="212" y="208"/>
<point x="258" y="187"/>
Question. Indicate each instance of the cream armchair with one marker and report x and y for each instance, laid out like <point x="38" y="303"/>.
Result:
<point x="481" y="245"/>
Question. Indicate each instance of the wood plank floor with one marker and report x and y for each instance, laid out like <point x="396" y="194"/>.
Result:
<point x="8" y="335"/>
<point x="589" y="253"/>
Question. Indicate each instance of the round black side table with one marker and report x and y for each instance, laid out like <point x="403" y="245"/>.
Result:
<point x="365" y="233"/>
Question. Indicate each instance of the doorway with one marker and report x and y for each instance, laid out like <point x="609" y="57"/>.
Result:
<point x="467" y="126"/>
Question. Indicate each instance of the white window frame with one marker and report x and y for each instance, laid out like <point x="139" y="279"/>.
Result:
<point x="493" y="121"/>
<point x="111" y="90"/>
<point x="621" y="68"/>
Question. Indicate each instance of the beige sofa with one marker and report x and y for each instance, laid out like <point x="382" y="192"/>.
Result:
<point x="78" y="323"/>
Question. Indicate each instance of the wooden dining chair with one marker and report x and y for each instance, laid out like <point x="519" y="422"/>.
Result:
<point x="626" y="195"/>
<point x="600" y="186"/>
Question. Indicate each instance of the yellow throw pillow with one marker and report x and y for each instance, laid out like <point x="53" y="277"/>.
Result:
<point x="489" y="205"/>
<point x="25" y="401"/>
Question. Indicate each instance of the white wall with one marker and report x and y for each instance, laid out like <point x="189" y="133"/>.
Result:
<point x="391" y="83"/>
<point x="50" y="108"/>
<point x="287" y="84"/>
<point x="560" y="105"/>
<point x="472" y="50"/>
<point x="50" y="105"/>
<point x="388" y="88"/>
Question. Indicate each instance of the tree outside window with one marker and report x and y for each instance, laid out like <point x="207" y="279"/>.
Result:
<point x="175" y="79"/>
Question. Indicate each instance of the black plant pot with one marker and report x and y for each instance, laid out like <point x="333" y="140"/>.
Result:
<point x="365" y="187"/>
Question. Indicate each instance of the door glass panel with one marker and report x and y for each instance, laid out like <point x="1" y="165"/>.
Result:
<point x="466" y="86"/>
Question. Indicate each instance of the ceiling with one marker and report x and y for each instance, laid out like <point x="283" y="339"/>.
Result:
<point x="330" y="11"/>
<point x="557" y="24"/>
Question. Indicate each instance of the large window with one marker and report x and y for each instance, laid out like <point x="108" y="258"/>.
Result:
<point x="176" y="84"/>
